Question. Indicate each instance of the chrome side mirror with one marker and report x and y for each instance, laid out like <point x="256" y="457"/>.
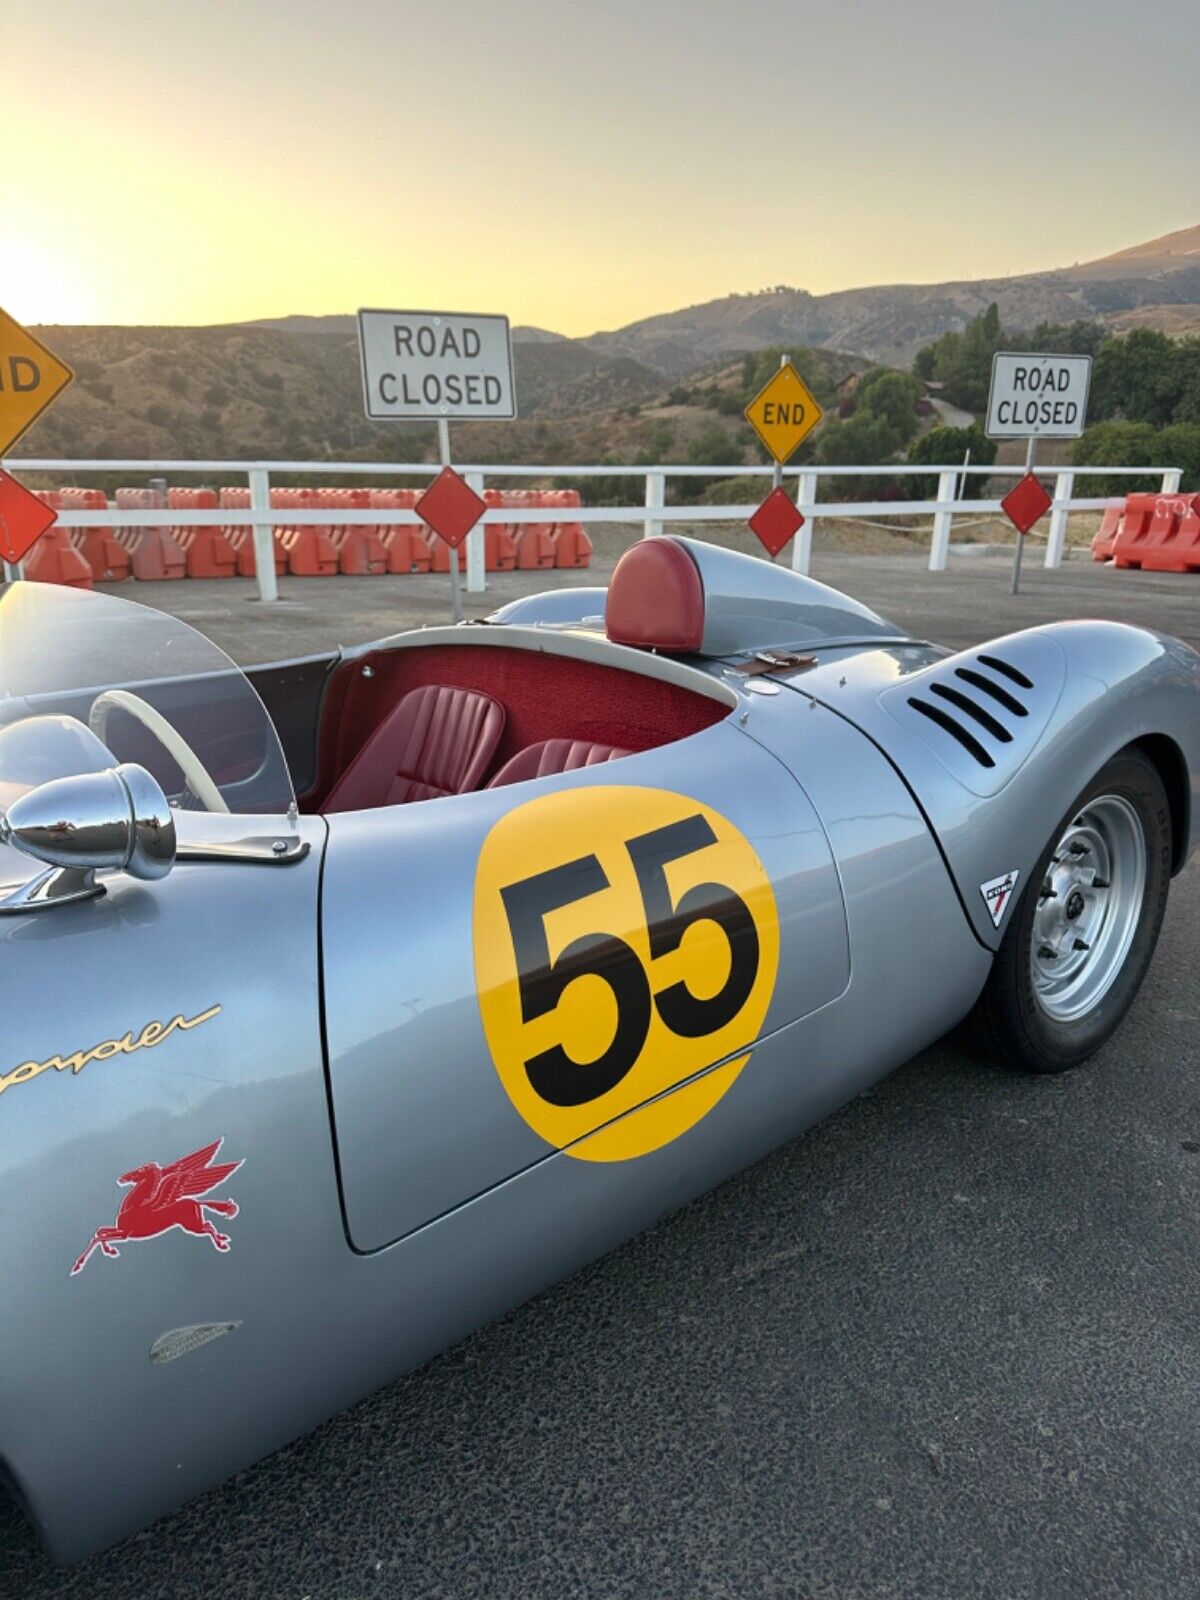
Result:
<point x="116" y="820"/>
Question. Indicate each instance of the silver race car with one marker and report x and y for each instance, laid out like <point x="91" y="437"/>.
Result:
<point x="351" y="1000"/>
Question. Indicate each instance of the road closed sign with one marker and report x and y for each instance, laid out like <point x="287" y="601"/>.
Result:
<point x="1038" y="397"/>
<point x="435" y="366"/>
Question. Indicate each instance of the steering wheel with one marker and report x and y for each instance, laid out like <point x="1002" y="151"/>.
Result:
<point x="185" y="758"/>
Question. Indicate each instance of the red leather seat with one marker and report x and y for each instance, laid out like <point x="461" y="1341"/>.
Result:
<point x="554" y="755"/>
<point x="437" y="740"/>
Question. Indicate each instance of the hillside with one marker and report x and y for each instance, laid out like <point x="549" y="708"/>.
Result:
<point x="890" y="323"/>
<point x="290" y="386"/>
<point x="243" y="391"/>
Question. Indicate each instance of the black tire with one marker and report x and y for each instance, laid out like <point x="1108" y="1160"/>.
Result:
<point x="1010" y="1021"/>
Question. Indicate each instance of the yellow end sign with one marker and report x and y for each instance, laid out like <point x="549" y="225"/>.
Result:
<point x="30" y="377"/>
<point x="783" y="413"/>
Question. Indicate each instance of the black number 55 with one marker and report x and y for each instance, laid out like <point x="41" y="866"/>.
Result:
<point x="553" y="1074"/>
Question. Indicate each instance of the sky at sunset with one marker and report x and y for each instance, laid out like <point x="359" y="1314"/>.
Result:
<point x="575" y="165"/>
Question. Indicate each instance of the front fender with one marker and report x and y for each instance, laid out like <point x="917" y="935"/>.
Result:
<point x="1051" y="706"/>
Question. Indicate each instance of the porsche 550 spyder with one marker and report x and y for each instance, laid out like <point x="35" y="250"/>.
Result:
<point x="351" y="1000"/>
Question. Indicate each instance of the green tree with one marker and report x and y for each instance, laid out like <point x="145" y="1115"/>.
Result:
<point x="714" y="446"/>
<point x="962" y="362"/>
<point x="1115" y="444"/>
<point x="946" y="447"/>
<point x="1140" y="378"/>
<point x="862" y="440"/>
<point x="891" y="397"/>
<point x="1179" y="446"/>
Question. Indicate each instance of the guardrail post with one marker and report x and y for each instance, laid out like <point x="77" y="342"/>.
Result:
<point x="939" y="548"/>
<point x="1171" y="481"/>
<point x="656" y="497"/>
<point x="806" y="496"/>
<point x="263" y="534"/>
<point x="476" y="545"/>
<point x="1064" y="486"/>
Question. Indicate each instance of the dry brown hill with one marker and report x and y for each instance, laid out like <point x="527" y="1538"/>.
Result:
<point x="891" y="322"/>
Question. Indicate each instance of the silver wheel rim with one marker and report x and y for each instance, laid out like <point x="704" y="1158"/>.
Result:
<point x="1088" y="908"/>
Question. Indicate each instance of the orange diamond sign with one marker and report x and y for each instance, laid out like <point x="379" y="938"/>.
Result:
<point x="23" y="519"/>
<point x="784" y="412"/>
<point x="30" y="377"/>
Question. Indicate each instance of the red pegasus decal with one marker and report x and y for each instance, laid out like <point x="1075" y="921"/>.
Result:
<point x="162" y="1198"/>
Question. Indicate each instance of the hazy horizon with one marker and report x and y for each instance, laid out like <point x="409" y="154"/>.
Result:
<point x="577" y="168"/>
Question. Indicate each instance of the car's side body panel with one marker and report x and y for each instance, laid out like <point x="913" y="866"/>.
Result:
<point x="100" y="1437"/>
<point x="97" y="1436"/>
<point x="422" y="1120"/>
<point x="1092" y="688"/>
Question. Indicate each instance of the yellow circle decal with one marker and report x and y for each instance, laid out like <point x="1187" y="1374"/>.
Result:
<point x="625" y="940"/>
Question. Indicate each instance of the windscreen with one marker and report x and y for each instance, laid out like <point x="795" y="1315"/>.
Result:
<point x="110" y="681"/>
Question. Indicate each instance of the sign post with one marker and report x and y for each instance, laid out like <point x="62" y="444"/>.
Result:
<point x="437" y="366"/>
<point x="783" y="413"/>
<point x="1034" y="397"/>
<point x="31" y="376"/>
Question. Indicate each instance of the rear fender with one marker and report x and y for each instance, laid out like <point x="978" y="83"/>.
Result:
<point x="1051" y="706"/>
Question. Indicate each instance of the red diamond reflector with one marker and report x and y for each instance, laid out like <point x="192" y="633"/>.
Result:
<point x="23" y="519"/>
<point x="776" y="520"/>
<point x="450" y="507"/>
<point x="1025" y="503"/>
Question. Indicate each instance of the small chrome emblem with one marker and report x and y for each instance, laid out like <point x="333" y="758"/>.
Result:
<point x="182" y="1341"/>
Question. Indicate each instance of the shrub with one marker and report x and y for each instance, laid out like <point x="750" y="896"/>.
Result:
<point x="945" y="447"/>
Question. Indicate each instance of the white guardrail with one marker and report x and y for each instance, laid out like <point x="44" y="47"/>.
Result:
<point x="653" y="513"/>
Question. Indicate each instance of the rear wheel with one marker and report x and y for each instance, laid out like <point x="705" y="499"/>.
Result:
<point x="1085" y="927"/>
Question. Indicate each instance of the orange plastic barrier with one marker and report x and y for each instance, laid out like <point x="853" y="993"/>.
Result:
<point x="309" y="549"/>
<point x="535" y="540"/>
<point x="499" y="541"/>
<point x="207" y="551"/>
<point x="1108" y="533"/>
<point x="361" y="552"/>
<point x="1179" y="548"/>
<point x="439" y="554"/>
<point x="241" y="535"/>
<point x="1135" y="528"/>
<point x="154" y="553"/>
<point x="107" y="558"/>
<point x="53" y="558"/>
<point x="1148" y="518"/>
<point x="404" y="544"/>
<point x="572" y="547"/>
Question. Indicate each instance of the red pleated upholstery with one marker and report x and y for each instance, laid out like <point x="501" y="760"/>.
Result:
<point x="554" y="755"/>
<point x="544" y="697"/>
<point x="438" y="740"/>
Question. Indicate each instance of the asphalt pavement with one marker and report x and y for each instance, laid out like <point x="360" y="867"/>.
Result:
<point x="945" y="1345"/>
<point x="967" y="603"/>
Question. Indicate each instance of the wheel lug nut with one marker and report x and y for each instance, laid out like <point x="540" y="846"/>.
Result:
<point x="1081" y="944"/>
<point x="1100" y="883"/>
<point x="1047" y="952"/>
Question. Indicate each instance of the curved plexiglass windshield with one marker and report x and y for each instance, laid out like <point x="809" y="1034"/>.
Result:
<point x="87" y="681"/>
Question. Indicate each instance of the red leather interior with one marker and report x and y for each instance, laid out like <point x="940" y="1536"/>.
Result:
<point x="436" y="740"/>
<point x="553" y="755"/>
<point x="545" y="697"/>
<point x="656" y="598"/>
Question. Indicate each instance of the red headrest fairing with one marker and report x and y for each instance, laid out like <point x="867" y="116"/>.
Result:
<point x="656" y="598"/>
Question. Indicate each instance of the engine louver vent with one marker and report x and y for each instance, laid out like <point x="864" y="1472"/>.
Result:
<point x="981" y="712"/>
<point x="975" y="709"/>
